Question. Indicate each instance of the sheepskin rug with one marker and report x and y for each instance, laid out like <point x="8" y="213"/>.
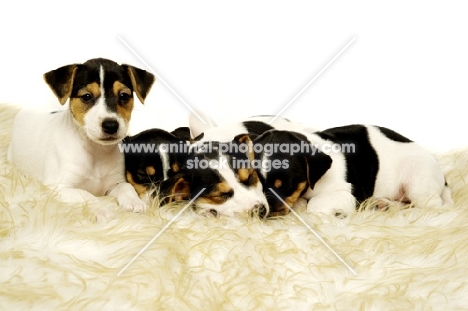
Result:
<point x="52" y="257"/>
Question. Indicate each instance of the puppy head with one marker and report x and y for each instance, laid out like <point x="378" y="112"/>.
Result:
<point x="154" y="156"/>
<point x="225" y="171"/>
<point x="288" y="165"/>
<point x="101" y="95"/>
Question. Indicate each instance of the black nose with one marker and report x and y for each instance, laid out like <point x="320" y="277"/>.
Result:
<point x="110" y="126"/>
<point x="260" y="211"/>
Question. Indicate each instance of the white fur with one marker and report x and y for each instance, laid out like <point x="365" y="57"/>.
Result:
<point x="164" y="156"/>
<point x="97" y="114"/>
<point x="56" y="150"/>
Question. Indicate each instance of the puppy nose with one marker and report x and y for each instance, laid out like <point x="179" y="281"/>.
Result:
<point x="260" y="210"/>
<point x="110" y="126"/>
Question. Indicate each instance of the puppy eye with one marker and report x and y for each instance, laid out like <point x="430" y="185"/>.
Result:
<point x="222" y="196"/>
<point x="124" y="97"/>
<point x="86" y="97"/>
<point x="225" y="195"/>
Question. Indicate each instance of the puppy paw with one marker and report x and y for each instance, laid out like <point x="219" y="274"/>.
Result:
<point x="300" y="205"/>
<point x="135" y="205"/>
<point x="208" y="213"/>
<point x="102" y="215"/>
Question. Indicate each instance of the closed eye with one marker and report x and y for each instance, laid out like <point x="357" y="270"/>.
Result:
<point x="221" y="196"/>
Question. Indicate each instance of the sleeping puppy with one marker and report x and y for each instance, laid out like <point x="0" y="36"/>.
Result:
<point x="339" y="168"/>
<point x="231" y="184"/>
<point x="152" y="159"/>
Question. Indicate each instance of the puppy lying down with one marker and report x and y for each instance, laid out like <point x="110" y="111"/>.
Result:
<point x="273" y="167"/>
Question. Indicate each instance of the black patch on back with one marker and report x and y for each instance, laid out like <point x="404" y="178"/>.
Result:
<point x="363" y="164"/>
<point x="257" y="127"/>
<point x="390" y="134"/>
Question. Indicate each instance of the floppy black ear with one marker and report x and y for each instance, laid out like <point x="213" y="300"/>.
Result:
<point x="317" y="165"/>
<point x="61" y="81"/>
<point x="182" y="133"/>
<point x="142" y="81"/>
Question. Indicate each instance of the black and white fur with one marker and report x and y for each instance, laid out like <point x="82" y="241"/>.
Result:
<point x="239" y="187"/>
<point x="384" y="166"/>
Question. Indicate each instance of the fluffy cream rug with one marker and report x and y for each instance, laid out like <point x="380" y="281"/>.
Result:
<point x="53" y="258"/>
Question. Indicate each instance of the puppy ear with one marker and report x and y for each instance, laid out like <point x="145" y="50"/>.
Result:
<point x="61" y="81"/>
<point x="245" y="139"/>
<point x="180" y="191"/>
<point x="317" y="165"/>
<point x="182" y="133"/>
<point x="142" y="81"/>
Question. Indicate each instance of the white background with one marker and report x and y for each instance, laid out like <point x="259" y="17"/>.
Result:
<point x="407" y="68"/>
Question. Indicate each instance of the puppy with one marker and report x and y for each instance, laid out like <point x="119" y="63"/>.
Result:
<point x="231" y="184"/>
<point x="75" y="151"/>
<point x="152" y="160"/>
<point x="338" y="168"/>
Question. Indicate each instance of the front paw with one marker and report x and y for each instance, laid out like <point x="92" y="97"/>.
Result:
<point x="135" y="205"/>
<point x="338" y="204"/>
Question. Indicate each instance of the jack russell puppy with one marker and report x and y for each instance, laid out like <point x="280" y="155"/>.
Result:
<point x="152" y="160"/>
<point x="339" y="168"/>
<point x="75" y="151"/>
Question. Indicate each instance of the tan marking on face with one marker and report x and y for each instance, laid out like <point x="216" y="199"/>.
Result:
<point x="175" y="167"/>
<point x="124" y="110"/>
<point x="150" y="170"/>
<point x="139" y="188"/>
<point x="78" y="107"/>
<point x="296" y="194"/>
<point x="216" y="196"/>
<point x="278" y="183"/>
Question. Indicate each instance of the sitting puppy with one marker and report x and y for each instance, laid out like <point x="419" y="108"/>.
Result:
<point x="338" y="168"/>
<point x="75" y="151"/>
<point x="152" y="160"/>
